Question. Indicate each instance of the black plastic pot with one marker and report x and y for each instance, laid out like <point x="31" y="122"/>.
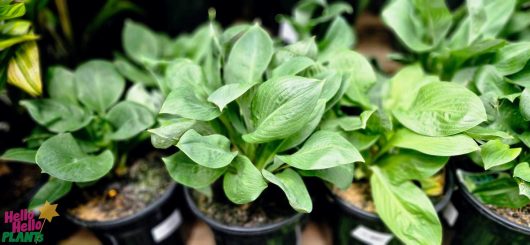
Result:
<point x="158" y="223"/>
<point x="287" y="231"/>
<point x="477" y="224"/>
<point x="352" y="225"/>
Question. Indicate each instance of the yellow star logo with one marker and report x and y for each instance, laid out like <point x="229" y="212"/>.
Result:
<point x="47" y="211"/>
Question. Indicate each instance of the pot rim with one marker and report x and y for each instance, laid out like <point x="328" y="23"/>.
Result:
<point x="120" y="222"/>
<point x="238" y="230"/>
<point x="491" y="215"/>
<point x="439" y="206"/>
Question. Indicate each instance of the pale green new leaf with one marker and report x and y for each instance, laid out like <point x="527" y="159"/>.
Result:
<point x="61" y="157"/>
<point x="168" y="134"/>
<point x="341" y="176"/>
<point x="437" y="146"/>
<point x="512" y="58"/>
<point x="139" y="42"/>
<point x="324" y="149"/>
<point x="228" y="93"/>
<point x="129" y="119"/>
<point x="188" y="173"/>
<point x="522" y="171"/>
<point x="495" y="153"/>
<point x="294" y="188"/>
<point x="61" y="85"/>
<point x="411" y="165"/>
<point x="338" y="37"/>
<point x="212" y="151"/>
<point x="186" y="103"/>
<point x="293" y="66"/>
<point x="245" y="183"/>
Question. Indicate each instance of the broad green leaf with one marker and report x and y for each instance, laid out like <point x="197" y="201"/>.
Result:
<point x="300" y="136"/>
<point x="339" y="36"/>
<point x="249" y="57"/>
<point x="358" y="72"/>
<point x="348" y="123"/>
<point x="524" y="188"/>
<point x="98" y="84"/>
<point x="24" y="69"/>
<point x="522" y="171"/>
<point x="495" y="153"/>
<point x="501" y="192"/>
<point x="420" y="24"/>
<point x="488" y="80"/>
<point x="404" y="87"/>
<point x="282" y="106"/>
<point x="188" y="173"/>
<point x="333" y="83"/>
<point x="442" y="109"/>
<point x="10" y="11"/>
<point x="187" y="104"/>
<point x="341" y="176"/>
<point x="212" y="151"/>
<point x="61" y="85"/>
<point x="477" y="18"/>
<point x="51" y="191"/>
<point x="521" y="78"/>
<point x="524" y="104"/>
<point x="134" y="73"/>
<point x="151" y="99"/>
<point x="19" y="155"/>
<point x="332" y="11"/>
<point x="406" y="210"/>
<point x="243" y="182"/>
<point x="129" y="119"/>
<point x="139" y="42"/>
<point x="292" y="66"/>
<point x="360" y="140"/>
<point x="324" y="149"/>
<point x="512" y="58"/>
<point x="483" y="133"/>
<point x="228" y="93"/>
<point x="437" y="146"/>
<point x="184" y="74"/>
<point x="61" y="157"/>
<point x="168" y="134"/>
<point x="411" y="165"/>
<point x="294" y="188"/>
<point x="57" y="116"/>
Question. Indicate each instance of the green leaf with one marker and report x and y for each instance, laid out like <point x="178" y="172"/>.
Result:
<point x="360" y="140"/>
<point x="52" y="191"/>
<point x="133" y="73"/>
<point x="406" y="210"/>
<point x="522" y="171"/>
<point x="282" y="106"/>
<point x="61" y="157"/>
<point x="420" y="24"/>
<point x="348" y="123"/>
<point x="245" y="183"/>
<point x="228" y="93"/>
<point x="139" y="42"/>
<point x="186" y="172"/>
<point x="61" y="85"/>
<point x="129" y="119"/>
<point x="300" y="136"/>
<point x="292" y="66"/>
<point x="501" y="192"/>
<point x="151" y="99"/>
<point x="24" y="69"/>
<point x="185" y="74"/>
<point x="442" y="109"/>
<point x="19" y="155"/>
<point x="324" y="149"/>
<point x="404" y="87"/>
<point x="341" y="176"/>
<point x="168" y="134"/>
<point x="437" y="146"/>
<point x="186" y="103"/>
<point x="10" y="11"/>
<point x="57" y="116"/>
<point x="358" y="72"/>
<point x="249" y="57"/>
<point x="524" y="104"/>
<point x="483" y="133"/>
<point x="294" y="188"/>
<point x="512" y="58"/>
<point x="339" y="36"/>
<point x="488" y="80"/>
<point x="98" y="84"/>
<point x="495" y="153"/>
<point x="411" y="165"/>
<point x="212" y="151"/>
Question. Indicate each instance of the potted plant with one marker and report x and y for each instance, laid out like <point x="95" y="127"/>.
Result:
<point x="91" y="139"/>
<point x="244" y="115"/>
<point x="469" y="51"/>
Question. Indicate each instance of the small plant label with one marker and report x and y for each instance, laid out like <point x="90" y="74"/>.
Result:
<point x="450" y="214"/>
<point x="166" y="227"/>
<point x="370" y="236"/>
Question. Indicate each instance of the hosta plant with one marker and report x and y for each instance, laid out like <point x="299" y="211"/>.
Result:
<point x="470" y="50"/>
<point x="246" y="112"/>
<point x="86" y="127"/>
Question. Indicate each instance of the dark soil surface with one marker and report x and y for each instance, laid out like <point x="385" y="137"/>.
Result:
<point x="145" y="181"/>
<point x="520" y="216"/>
<point x="270" y="207"/>
<point x="16" y="180"/>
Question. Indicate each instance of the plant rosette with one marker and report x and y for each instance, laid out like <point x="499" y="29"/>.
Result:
<point x="87" y="130"/>
<point x="408" y="127"/>
<point x="475" y="55"/>
<point x="245" y="117"/>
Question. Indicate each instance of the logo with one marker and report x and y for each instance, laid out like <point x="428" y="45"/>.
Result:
<point x="25" y="227"/>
